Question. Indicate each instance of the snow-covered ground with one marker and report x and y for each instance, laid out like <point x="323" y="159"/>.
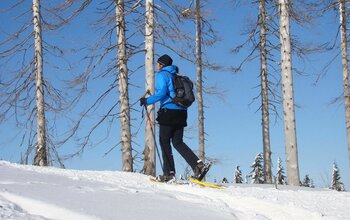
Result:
<point x="35" y="193"/>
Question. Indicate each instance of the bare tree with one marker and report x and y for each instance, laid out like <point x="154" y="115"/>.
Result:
<point x="113" y="18"/>
<point x="288" y="95"/>
<point x="343" y="52"/>
<point x="344" y="55"/>
<point x="269" y="97"/>
<point x="21" y="99"/>
<point x="149" y="152"/>
<point x="264" y="94"/>
<point x="199" y="64"/>
<point x="205" y="36"/>
<point x="40" y="158"/>
<point x="123" y="89"/>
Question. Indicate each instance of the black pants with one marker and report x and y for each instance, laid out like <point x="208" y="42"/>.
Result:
<point x="174" y="134"/>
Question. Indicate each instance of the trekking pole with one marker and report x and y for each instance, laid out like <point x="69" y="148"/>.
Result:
<point x="153" y="133"/>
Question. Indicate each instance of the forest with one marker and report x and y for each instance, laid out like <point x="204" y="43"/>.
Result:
<point x="269" y="76"/>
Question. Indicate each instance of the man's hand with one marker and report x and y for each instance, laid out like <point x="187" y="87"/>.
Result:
<point x="143" y="101"/>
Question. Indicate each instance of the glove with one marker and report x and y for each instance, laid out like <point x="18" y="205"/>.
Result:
<point x="143" y="101"/>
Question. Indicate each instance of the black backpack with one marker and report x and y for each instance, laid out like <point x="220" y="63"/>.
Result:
<point x="183" y="88"/>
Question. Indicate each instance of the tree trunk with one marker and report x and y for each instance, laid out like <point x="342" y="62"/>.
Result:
<point x="149" y="152"/>
<point x="344" y="54"/>
<point x="264" y="95"/>
<point x="40" y="157"/>
<point x="199" y="82"/>
<point x="288" y="96"/>
<point x="123" y="89"/>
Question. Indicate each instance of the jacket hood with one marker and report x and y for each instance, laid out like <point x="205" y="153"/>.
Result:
<point x="171" y="69"/>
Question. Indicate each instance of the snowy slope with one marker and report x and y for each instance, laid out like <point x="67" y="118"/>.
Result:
<point x="35" y="193"/>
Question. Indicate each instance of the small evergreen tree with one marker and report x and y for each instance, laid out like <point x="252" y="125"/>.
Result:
<point x="280" y="177"/>
<point x="307" y="182"/>
<point x="336" y="183"/>
<point x="238" y="175"/>
<point x="224" y="180"/>
<point x="257" y="173"/>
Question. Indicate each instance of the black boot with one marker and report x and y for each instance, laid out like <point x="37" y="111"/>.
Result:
<point x="201" y="170"/>
<point x="166" y="178"/>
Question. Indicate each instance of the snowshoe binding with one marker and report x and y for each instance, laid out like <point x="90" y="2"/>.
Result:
<point x="201" y="170"/>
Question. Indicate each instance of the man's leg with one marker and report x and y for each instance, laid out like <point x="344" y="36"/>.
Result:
<point x="190" y="157"/>
<point x="165" y="134"/>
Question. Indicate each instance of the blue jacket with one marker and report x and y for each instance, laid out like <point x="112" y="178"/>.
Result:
<point x="163" y="88"/>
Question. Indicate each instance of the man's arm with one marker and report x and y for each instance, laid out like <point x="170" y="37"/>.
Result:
<point x="160" y="90"/>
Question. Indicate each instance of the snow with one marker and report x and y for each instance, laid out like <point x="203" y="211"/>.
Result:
<point x="40" y="193"/>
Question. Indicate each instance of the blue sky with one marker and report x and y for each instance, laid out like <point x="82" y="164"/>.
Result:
<point x="233" y="125"/>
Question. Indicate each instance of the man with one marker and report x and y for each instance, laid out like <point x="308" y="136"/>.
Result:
<point x="172" y="119"/>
